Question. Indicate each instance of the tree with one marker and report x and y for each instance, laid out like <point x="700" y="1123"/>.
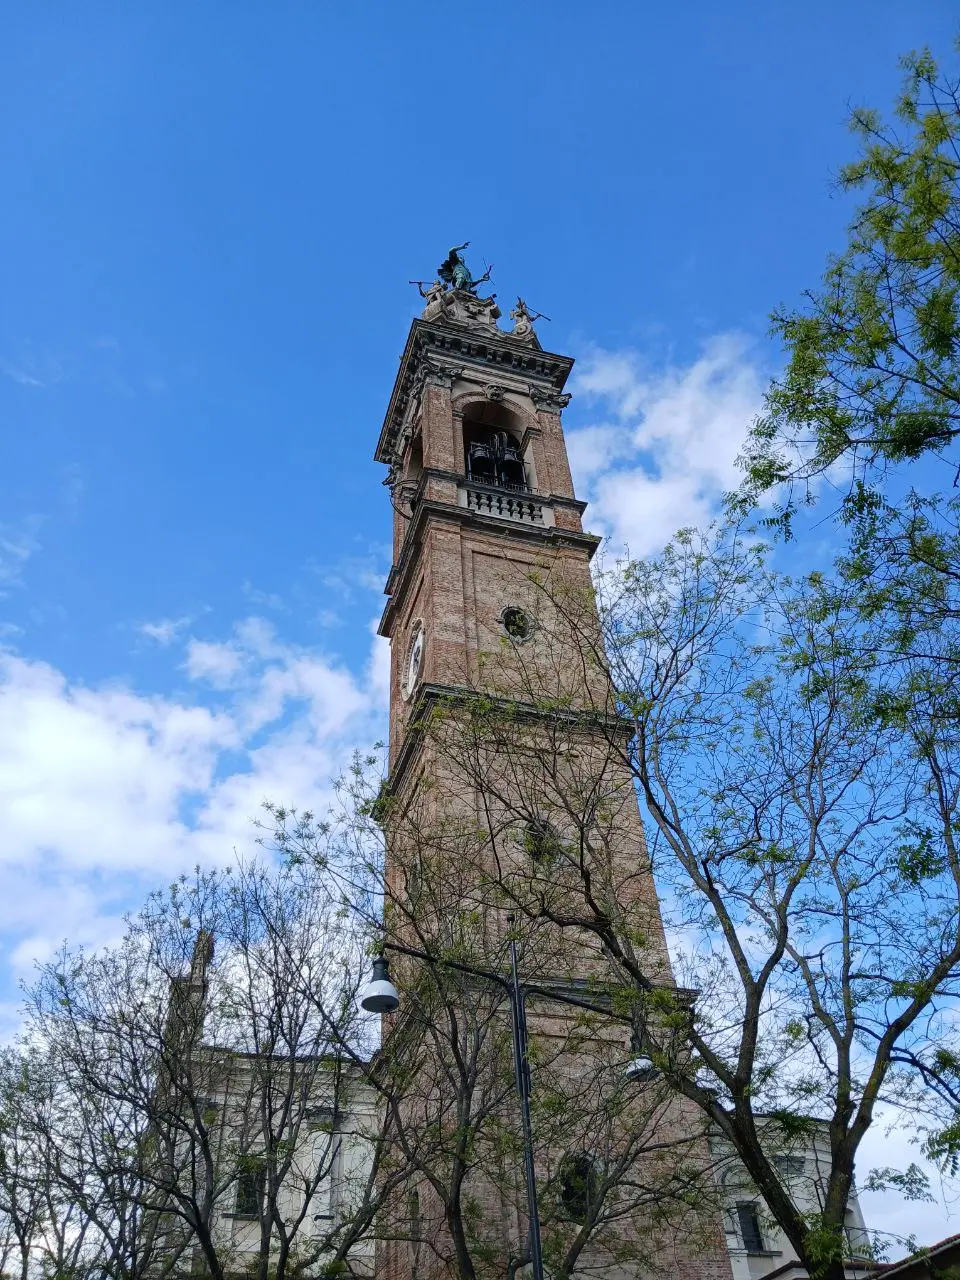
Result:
<point x="42" y="1212"/>
<point x="869" y="401"/>
<point x="802" y="821"/>
<point x="206" y="1103"/>
<point x="618" y="1176"/>
<point x="873" y="375"/>
<point x="206" y="1093"/>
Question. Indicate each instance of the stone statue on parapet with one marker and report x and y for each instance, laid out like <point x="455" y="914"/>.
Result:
<point x="455" y="273"/>
<point x="523" y="319"/>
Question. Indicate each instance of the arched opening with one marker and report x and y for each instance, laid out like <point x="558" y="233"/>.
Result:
<point x="541" y="841"/>
<point x="579" y="1186"/>
<point x="491" y="443"/>
<point x="414" y="460"/>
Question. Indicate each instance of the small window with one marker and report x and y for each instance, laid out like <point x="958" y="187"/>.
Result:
<point x="541" y="841"/>
<point x="579" y="1188"/>
<point x="516" y="623"/>
<point x="322" y="1119"/>
<point x="789" y="1166"/>
<point x="207" y="1110"/>
<point x="748" y="1221"/>
<point x="251" y="1188"/>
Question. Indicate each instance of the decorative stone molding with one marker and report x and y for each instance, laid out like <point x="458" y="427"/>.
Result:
<point x="482" y="353"/>
<point x="493" y="391"/>
<point x="444" y="376"/>
<point x="519" y="508"/>
<point x="552" y="401"/>
<point x="435" y="374"/>
<point x="462" y="308"/>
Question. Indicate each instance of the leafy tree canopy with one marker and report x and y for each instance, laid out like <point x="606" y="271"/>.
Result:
<point x="873" y="375"/>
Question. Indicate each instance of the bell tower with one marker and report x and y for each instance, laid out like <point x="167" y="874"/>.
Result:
<point x="490" y="603"/>
<point x="478" y="472"/>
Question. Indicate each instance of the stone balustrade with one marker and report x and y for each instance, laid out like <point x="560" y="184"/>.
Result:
<point x="505" y="504"/>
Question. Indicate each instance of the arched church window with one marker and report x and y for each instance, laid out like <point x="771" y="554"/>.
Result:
<point x="579" y="1186"/>
<point x="541" y="841"/>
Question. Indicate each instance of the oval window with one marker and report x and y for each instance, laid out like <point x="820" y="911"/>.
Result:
<point x="516" y="623"/>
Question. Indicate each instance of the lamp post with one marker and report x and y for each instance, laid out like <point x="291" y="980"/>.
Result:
<point x="381" y="996"/>
<point x="521" y="1065"/>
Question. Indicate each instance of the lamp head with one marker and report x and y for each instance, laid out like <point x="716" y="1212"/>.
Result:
<point x="380" y="995"/>
<point x="640" y="1070"/>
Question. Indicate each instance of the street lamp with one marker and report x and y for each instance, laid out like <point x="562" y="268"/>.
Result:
<point x="640" y="1070"/>
<point x="381" y="996"/>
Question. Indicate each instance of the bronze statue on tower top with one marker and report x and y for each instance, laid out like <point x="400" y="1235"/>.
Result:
<point x="452" y="299"/>
<point x="455" y="273"/>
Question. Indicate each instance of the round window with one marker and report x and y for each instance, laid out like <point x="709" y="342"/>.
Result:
<point x="516" y="623"/>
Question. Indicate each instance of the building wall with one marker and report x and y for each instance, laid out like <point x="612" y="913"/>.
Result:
<point x="335" y="1142"/>
<point x="805" y="1168"/>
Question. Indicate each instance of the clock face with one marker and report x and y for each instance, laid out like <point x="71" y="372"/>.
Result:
<point x="414" y="662"/>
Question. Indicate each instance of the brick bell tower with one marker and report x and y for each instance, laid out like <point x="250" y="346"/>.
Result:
<point x="485" y="514"/>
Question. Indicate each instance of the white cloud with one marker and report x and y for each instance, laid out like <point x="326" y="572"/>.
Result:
<point x="354" y="574"/>
<point x="107" y="792"/>
<point x="666" y="451"/>
<point x="166" y="630"/>
<point x="268" y="599"/>
<point x="96" y="777"/>
<point x="889" y="1145"/>
<point x="260" y="637"/>
<point x="20" y="375"/>
<point x="378" y="674"/>
<point x="32" y="368"/>
<point x="217" y="664"/>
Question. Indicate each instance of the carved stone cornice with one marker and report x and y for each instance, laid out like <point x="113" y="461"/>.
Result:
<point x="452" y="352"/>
<point x="432" y="373"/>
<point x="437" y="374"/>
<point x="546" y="398"/>
<point x="592" y="720"/>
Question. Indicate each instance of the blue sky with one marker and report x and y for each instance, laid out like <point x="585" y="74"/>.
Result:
<point x="211" y="213"/>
